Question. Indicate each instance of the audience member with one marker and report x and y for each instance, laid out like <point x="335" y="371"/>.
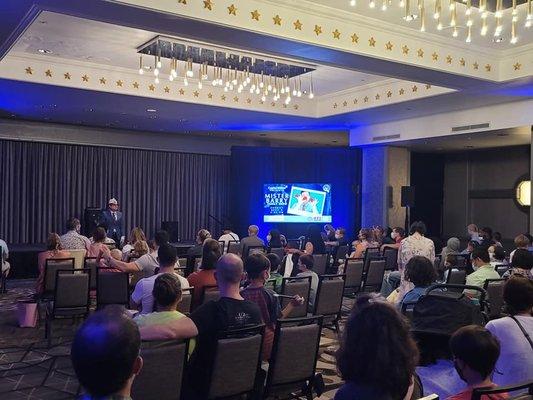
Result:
<point x="520" y="242"/>
<point x="329" y="233"/>
<point x="105" y="355"/>
<point x="421" y="273"/>
<point x="305" y="266"/>
<point x="522" y="264"/>
<point x="498" y="238"/>
<point x="473" y="233"/>
<point x="98" y="248"/>
<point x="251" y="240"/>
<point x="72" y="240"/>
<point x="228" y="236"/>
<point x="136" y="235"/>
<point x="453" y="246"/>
<point x="365" y="240"/>
<point x="475" y="351"/>
<point x="497" y="255"/>
<point x="139" y="249"/>
<point x="397" y="235"/>
<point x="377" y="355"/>
<point x="274" y="270"/>
<point x="231" y="311"/>
<point x="142" y="297"/>
<point x="380" y="235"/>
<point x="482" y="270"/>
<point x="290" y="261"/>
<point x="274" y="240"/>
<point x="515" y="333"/>
<point x="340" y="237"/>
<point x="201" y="237"/>
<point x="211" y="252"/>
<point x="314" y="244"/>
<point x="53" y="250"/>
<point x="4" y="255"/>
<point x="147" y="263"/>
<point x="167" y="295"/>
<point x="487" y="239"/>
<point x="471" y="245"/>
<point x="257" y="268"/>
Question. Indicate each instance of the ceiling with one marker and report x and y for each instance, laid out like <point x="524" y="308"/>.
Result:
<point x="103" y="37"/>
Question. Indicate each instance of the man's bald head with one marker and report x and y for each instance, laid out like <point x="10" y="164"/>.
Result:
<point x="229" y="269"/>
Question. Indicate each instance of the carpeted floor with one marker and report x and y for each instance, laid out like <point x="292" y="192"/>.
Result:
<point x="30" y="370"/>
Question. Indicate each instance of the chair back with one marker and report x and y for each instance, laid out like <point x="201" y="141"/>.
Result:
<point x="329" y="295"/>
<point x="461" y="260"/>
<point x="222" y="245"/>
<point x="479" y="393"/>
<point x="370" y="254"/>
<point x="209" y="293"/>
<point x="236" y="363"/>
<point x="502" y="268"/>
<point x="185" y="305"/>
<point x="234" y="247"/>
<point x="456" y="276"/>
<point x="112" y="288"/>
<point x="111" y="246"/>
<point x="182" y="261"/>
<point x="353" y="269"/>
<point x="296" y="286"/>
<point x="295" y="339"/>
<point x="162" y="372"/>
<point x="391" y="258"/>
<point x="342" y="253"/>
<point x="374" y="275"/>
<point x="51" y="266"/>
<point x="495" y="302"/>
<point x="90" y="263"/>
<point x="78" y="255"/>
<point x="320" y="262"/>
<point x="279" y="251"/>
<point x="254" y="250"/>
<point x="71" y="294"/>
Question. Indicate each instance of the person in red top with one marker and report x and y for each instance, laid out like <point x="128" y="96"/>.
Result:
<point x="211" y="252"/>
<point x="257" y="267"/>
<point x="475" y="351"/>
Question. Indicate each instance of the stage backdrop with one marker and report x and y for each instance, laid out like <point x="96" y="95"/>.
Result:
<point x="251" y="167"/>
<point x="43" y="184"/>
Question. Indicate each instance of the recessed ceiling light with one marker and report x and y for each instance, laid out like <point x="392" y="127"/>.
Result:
<point x="151" y="110"/>
<point x="44" y="51"/>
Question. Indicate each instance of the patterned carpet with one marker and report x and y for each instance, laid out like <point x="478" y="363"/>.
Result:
<point x="29" y="370"/>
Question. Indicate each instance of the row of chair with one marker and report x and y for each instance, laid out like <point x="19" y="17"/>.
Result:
<point x="165" y="363"/>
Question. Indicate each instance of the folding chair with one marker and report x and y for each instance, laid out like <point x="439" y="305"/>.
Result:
<point x="495" y="302"/>
<point x="112" y="288"/>
<point x="328" y="301"/>
<point x="320" y="263"/>
<point x="353" y="269"/>
<point x="209" y="293"/>
<point x="51" y="266"/>
<point x="185" y="305"/>
<point x="296" y="286"/>
<point x="391" y="258"/>
<point x="479" y="393"/>
<point x="373" y="278"/>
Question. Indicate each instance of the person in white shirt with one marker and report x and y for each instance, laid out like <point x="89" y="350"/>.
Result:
<point x="142" y="297"/>
<point x="305" y="265"/>
<point x="515" y="333"/>
<point x="4" y="253"/>
<point x="227" y="236"/>
<point x="72" y="240"/>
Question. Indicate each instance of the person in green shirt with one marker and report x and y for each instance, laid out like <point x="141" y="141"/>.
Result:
<point x="167" y="295"/>
<point x="483" y="270"/>
<point x="275" y="277"/>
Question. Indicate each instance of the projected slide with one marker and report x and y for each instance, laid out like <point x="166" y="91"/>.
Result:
<point x="297" y="202"/>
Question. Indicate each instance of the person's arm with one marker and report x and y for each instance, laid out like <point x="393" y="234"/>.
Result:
<point x="182" y="328"/>
<point x="390" y="246"/>
<point x="129" y="267"/>
<point x="295" y="302"/>
<point x="309" y="248"/>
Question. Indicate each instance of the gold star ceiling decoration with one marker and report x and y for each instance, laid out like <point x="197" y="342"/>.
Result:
<point x="29" y="71"/>
<point x="48" y="73"/>
<point x="517" y="66"/>
<point x="420" y="53"/>
<point x="297" y="25"/>
<point x="365" y="99"/>
<point x="377" y="96"/>
<point x="372" y="42"/>
<point x="119" y="83"/>
<point x="449" y="59"/>
<point x="415" y="88"/>
<point x="428" y="86"/>
<point x="232" y="10"/>
<point x="388" y="46"/>
<point x="223" y="97"/>
<point x="435" y="56"/>
<point x="255" y="15"/>
<point x="236" y="99"/>
<point x="475" y="65"/>
<point x="344" y="103"/>
<point x="182" y="1"/>
<point x="196" y="93"/>
<point x="318" y="29"/>
<point x="389" y="94"/>
<point x="405" y="49"/>
<point x="462" y="62"/>
<point x="182" y="92"/>
<point x="277" y="20"/>
<point x="102" y="81"/>
<point x="336" y="34"/>
<point x="401" y="91"/>
<point x="85" y="78"/>
<point x="208" y="4"/>
<point x="209" y="95"/>
<point x="135" y="85"/>
<point x="151" y="87"/>
<point x="355" y="38"/>
<point x="167" y="89"/>
<point x="67" y="75"/>
<point x="488" y="67"/>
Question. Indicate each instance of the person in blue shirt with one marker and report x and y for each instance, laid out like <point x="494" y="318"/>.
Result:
<point x="421" y="272"/>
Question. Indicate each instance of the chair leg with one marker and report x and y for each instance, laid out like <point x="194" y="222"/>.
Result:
<point x="48" y="331"/>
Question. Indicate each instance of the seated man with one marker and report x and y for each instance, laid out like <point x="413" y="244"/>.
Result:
<point x="305" y="266"/>
<point x="229" y="312"/>
<point x="105" y="355"/>
<point x="475" y="353"/>
<point x="274" y="270"/>
<point x="72" y="240"/>
<point x="482" y="270"/>
<point x="257" y="267"/>
<point x="251" y="240"/>
<point x="142" y="297"/>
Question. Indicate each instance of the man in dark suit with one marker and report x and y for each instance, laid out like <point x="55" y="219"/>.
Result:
<point x="112" y="221"/>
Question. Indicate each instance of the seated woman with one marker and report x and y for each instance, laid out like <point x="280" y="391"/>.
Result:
<point x="522" y="264"/>
<point x="136" y="235"/>
<point x="53" y="250"/>
<point x="365" y="241"/>
<point x="98" y="248"/>
<point x="421" y="273"/>
<point x="167" y="295"/>
<point x="497" y="255"/>
<point x="377" y="355"/>
<point x="274" y="240"/>
<point x="211" y="252"/>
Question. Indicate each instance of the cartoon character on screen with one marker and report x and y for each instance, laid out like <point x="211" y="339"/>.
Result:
<point x="305" y="203"/>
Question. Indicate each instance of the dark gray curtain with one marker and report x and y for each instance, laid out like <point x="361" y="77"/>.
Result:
<point x="43" y="184"/>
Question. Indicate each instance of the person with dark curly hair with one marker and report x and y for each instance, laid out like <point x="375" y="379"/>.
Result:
<point x="377" y="355"/>
<point x="421" y="273"/>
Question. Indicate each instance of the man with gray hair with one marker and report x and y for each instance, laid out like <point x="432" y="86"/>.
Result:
<point x="251" y="240"/>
